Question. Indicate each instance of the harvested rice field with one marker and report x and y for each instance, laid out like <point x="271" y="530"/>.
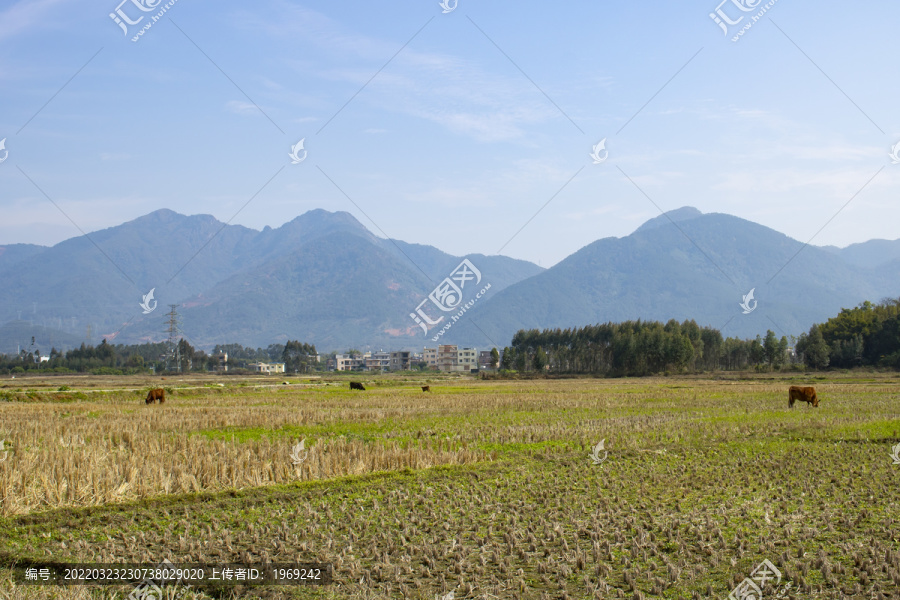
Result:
<point x="476" y="489"/>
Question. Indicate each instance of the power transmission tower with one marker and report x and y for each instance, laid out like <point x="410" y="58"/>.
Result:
<point x="172" y="342"/>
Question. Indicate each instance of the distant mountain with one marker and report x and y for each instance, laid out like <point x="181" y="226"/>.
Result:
<point x="868" y="254"/>
<point x="324" y="278"/>
<point x="45" y="338"/>
<point x="93" y="284"/>
<point x="343" y="290"/>
<point x="321" y="278"/>
<point x="685" y="213"/>
<point x="13" y="254"/>
<point x="699" y="269"/>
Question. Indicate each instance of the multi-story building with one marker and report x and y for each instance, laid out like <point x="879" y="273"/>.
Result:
<point x="450" y="358"/>
<point x="467" y="359"/>
<point x="345" y="362"/>
<point x="400" y="360"/>
<point x="447" y="357"/>
<point x="377" y="361"/>
<point x="484" y="359"/>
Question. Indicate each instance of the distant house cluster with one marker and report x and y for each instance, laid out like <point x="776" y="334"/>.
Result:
<point x="448" y="358"/>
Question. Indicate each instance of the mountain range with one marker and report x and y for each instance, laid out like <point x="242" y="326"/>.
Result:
<point x="325" y="279"/>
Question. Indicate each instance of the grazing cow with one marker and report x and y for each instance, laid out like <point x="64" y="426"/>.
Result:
<point x="355" y="385"/>
<point x="156" y="394"/>
<point x="426" y="388"/>
<point x="806" y="394"/>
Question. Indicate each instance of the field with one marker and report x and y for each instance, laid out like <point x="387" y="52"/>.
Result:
<point x="478" y="489"/>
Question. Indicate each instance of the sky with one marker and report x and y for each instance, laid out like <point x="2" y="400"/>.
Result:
<point x="469" y="126"/>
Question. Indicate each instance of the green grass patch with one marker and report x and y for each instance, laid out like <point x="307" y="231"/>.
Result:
<point x="886" y="430"/>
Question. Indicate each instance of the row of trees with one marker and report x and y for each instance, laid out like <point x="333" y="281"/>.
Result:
<point x="297" y="357"/>
<point x="866" y="335"/>
<point x="639" y="348"/>
<point x="107" y="358"/>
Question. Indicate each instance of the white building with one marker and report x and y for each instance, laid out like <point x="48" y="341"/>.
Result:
<point x="344" y="362"/>
<point x="452" y="359"/>
<point x="467" y="359"/>
<point x="262" y="367"/>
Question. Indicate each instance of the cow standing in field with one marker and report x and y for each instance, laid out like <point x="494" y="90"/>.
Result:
<point x="426" y="388"/>
<point x="355" y="385"/>
<point x="156" y="394"/>
<point x="805" y="394"/>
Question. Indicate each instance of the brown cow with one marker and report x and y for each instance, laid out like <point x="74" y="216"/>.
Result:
<point x="805" y="394"/>
<point x="355" y="385"/>
<point x="426" y="388"/>
<point x="156" y="394"/>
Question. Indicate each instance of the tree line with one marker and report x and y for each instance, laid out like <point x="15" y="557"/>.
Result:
<point x="868" y="335"/>
<point x="109" y="359"/>
<point x="636" y="348"/>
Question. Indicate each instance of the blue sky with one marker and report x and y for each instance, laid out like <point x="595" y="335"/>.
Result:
<point x="451" y="129"/>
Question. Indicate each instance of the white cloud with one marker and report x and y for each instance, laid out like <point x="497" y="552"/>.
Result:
<point x="299" y="24"/>
<point x="452" y="92"/>
<point x="240" y="107"/>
